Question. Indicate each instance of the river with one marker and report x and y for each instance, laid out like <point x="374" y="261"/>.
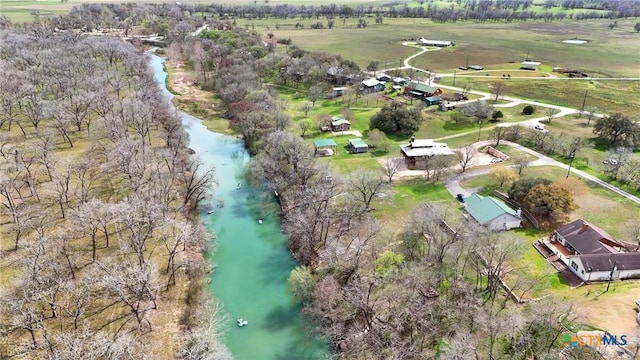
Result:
<point x="251" y="260"/>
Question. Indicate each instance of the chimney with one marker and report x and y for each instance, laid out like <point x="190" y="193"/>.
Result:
<point x="519" y="212"/>
<point x="584" y="227"/>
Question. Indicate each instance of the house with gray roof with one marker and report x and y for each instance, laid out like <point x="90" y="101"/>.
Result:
<point x="419" y="90"/>
<point x="592" y="254"/>
<point x="372" y="85"/>
<point x="492" y="213"/>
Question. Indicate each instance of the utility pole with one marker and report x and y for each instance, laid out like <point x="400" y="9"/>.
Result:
<point x="584" y="100"/>
<point x="479" y="128"/>
<point x="454" y="78"/>
<point x="615" y="267"/>
<point x="573" y="156"/>
<point x="527" y="56"/>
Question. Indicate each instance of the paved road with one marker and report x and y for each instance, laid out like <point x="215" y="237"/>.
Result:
<point x="454" y="187"/>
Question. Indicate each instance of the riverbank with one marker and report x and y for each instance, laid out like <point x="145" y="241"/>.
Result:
<point x="189" y="98"/>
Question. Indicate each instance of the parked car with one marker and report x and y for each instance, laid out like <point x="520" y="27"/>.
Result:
<point x="496" y="160"/>
<point x="613" y="162"/>
<point x="539" y="127"/>
<point x="460" y="198"/>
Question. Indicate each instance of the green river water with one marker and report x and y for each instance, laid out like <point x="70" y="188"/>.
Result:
<point x="251" y="260"/>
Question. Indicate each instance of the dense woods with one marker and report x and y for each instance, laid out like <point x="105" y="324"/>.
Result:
<point x="101" y="254"/>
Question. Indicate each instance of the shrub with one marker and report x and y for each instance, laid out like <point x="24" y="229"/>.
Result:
<point x="528" y="110"/>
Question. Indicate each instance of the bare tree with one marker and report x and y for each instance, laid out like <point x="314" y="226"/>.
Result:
<point x="498" y="88"/>
<point x="365" y="186"/>
<point x="315" y="93"/>
<point x="551" y="114"/>
<point x="391" y="166"/>
<point x="591" y="114"/>
<point x="499" y="133"/>
<point x="195" y="181"/>
<point x="520" y="163"/>
<point x="306" y="107"/>
<point x="465" y="156"/>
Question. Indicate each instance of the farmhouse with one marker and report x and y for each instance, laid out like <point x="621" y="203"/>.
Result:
<point x="418" y="90"/>
<point x="356" y="146"/>
<point x="529" y="65"/>
<point x="437" y="43"/>
<point x="492" y="213"/>
<point x="325" y="147"/>
<point x="372" y="85"/>
<point x="592" y="254"/>
<point x="418" y="152"/>
<point x="340" y="124"/>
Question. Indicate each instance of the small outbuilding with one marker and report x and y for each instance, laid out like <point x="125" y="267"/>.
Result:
<point x="437" y="43"/>
<point x="529" y="65"/>
<point x="383" y="77"/>
<point x="325" y="147"/>
<point x="432" y="100"/>
<point x="338" y="91"/>
<point x="356" y="146"/>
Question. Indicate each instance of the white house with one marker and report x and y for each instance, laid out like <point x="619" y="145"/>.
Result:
<point x="492" y="213"/>
<point x="418" y="152"/>
<point x="592" y="254"/>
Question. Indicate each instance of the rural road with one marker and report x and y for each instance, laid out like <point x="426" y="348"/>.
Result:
<point x="453" y="183"/>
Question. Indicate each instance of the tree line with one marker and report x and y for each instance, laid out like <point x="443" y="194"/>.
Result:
<point x="158" y="18"/>
<point x="98" y="194"/>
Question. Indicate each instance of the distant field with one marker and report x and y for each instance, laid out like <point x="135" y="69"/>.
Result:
<point x="609" y="52"/>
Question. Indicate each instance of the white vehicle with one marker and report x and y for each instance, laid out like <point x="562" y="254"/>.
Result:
<point x="539" y="127"/>
<point x="496" y="160"/>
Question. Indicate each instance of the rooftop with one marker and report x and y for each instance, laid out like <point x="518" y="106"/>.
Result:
<point x="587" y="238"/>
<point x="606" y="262"/>
<point x="485" y="209"/>
<point x="425" y="147"/>
<point x="415" y="86"/>
<point x="324" y="142"/>
<point x="371" y="82"/>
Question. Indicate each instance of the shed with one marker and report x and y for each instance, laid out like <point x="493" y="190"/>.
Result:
<point x="325" y="147"/>
<point x="338" y="91"/>
<point x="529" y="65"/>
<point x="432" y="100"/>
<point x="357" y="146"/>
<point x="475" y="67"/>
